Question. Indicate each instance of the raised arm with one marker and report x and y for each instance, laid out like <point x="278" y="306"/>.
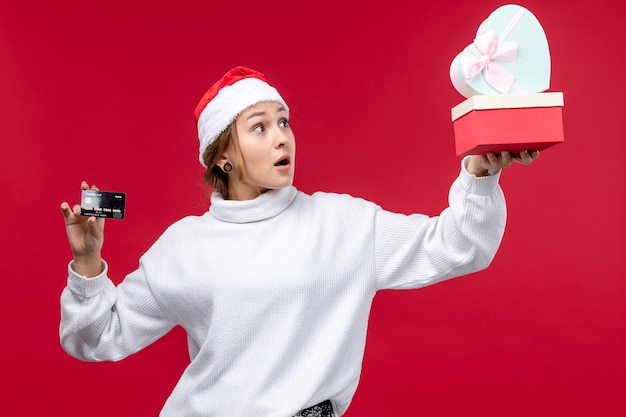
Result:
<point x="101" y="321"/>
<point x="418" y="250"/>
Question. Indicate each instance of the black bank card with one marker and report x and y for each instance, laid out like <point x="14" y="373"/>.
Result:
<point x="103" y="204"/>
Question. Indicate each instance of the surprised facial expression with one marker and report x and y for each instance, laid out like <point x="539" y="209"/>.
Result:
<point x="268" y="148"/>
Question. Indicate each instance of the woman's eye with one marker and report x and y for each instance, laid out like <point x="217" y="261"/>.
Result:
<point x="258" y="128"/>
<point x="284" y="123"/>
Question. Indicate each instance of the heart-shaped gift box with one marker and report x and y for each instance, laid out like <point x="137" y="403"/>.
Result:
<point x="504" y="74"/>
<point x="509" y="55"/>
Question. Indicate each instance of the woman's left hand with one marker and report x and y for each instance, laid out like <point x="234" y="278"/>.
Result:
<point x="483" y="165"/>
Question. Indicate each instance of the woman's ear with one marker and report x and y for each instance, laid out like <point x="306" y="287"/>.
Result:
<point x="222" y="160"/>
<point x="226" y="161"/>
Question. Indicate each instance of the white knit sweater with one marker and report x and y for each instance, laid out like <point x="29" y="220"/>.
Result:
<point x="275" y="292"/>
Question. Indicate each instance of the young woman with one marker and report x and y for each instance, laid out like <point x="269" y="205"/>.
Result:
<point x="273" y="286"/>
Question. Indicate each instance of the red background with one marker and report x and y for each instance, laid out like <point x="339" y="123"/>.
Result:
<point x="104" y="91"/>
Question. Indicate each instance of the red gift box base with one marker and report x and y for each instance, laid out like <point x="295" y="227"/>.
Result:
<point x="514" y="129"/>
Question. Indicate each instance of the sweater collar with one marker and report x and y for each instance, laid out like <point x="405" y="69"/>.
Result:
<point x="267" y="205"/>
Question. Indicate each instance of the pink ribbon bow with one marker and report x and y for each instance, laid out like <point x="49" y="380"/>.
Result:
<point x="487" y="49"/>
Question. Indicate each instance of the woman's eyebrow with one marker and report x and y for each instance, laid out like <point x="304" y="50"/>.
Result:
<point x="263" y="113"/>
<point x="255" y="114"/>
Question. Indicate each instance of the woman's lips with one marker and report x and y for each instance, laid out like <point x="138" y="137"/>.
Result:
<point x="284" y="162"/>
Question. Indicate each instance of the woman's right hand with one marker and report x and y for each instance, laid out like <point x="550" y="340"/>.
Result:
<point x="86" y="237"/>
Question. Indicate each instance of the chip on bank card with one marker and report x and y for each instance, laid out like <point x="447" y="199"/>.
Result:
<point x="103" y="204"/>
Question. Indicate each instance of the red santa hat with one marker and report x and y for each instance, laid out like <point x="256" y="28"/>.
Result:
<point x="237" y="90"/>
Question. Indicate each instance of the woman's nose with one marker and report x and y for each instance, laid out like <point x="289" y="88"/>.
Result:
<point x="281" y="138"/>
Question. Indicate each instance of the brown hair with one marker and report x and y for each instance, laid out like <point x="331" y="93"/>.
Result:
<point x="214" y="175"/>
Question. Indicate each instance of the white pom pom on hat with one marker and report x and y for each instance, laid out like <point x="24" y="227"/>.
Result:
<point x="237" y="90"/>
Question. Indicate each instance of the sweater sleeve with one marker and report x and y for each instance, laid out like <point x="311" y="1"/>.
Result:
<point x="416" y="250"/>
<point x="101" y="321"/>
